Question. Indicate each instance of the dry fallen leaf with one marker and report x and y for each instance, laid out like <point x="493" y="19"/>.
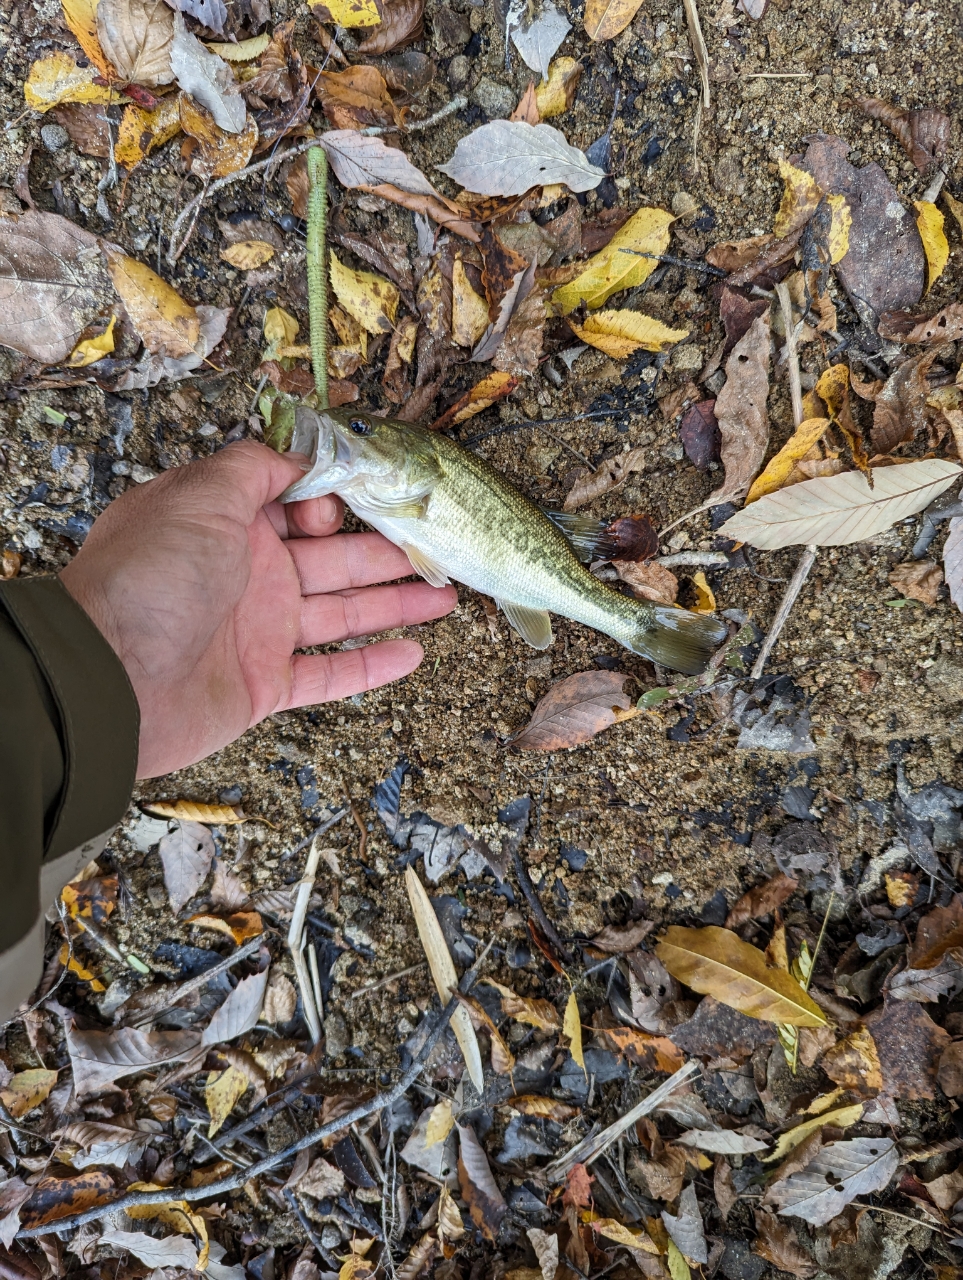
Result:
<point x="141" y="131"/>
<point x="654" y="1053"/>
<point x="240" y="926"/>
<point x="164" y="322"/>
<point x="685" y="1228"/>
<point x="469" y="311"/>
<point x="186" y="854"/>
<point x="503" y="1061"/>
<point x="741" y="413"/>
<point x="619" y="333"/>
<point x="482" y="396"/>
<point x="841" y="509"/>
<point x="917" y="580"/>
<point x="402" y="23"/>
<point x="574" y="710"/>
<point x="605" y="19"/>
<point x="172" y="1251"/>
<point x="717" y="962"/>
<point x="762" y="900"/>
<point x="440" y="1122"/>
<point x="909" y="1044"/>
<point x="853" y="1063"/>
<point x="136" y="37"/>
<point x="612" y="473"/>
<point x="530" y="1104"/>
<point x="800" y="198"/>
<point x="953" y="561"/>
<point x="537" y="34"/>
<point x="224" y="1089"/>
<point x="508" y="158"/>
<point x="248" y="254"/>
<point x="541" y="1014"/>
<point x="347" y="13"/>
<point x="556" y="95"/>
<point x="207" y="78"/>
<point x="611" y="270"/>
<point x="478" y="1188"/>
<point x="27" y="1089"/>
<point x="922" y="132"/>
<point x="839" y="1173"/>
<point x="356" y="99"/>
<point x="219" y="152"/>
<point x="776" y="1242"/>
<point x="57" y="78"/>
<point x="649" y="581"/>
<point x="924" y="985"/>
<point x="929" y="223"/>
<point x="217" y="815"/>
<point x="239" y="1012"/>
<point x="572" y="1030"/>
<point x="370" y="299"/>
<point x="902" y="326"/>
<point x="778" y="470"/>
<point x="98" y="1058"/>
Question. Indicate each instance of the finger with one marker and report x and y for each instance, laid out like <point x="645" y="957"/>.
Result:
<point x="346" y="560"/>
<point x="325" y="677"/>
<point x="339" y="615"/>
<point x="315" y="517"/>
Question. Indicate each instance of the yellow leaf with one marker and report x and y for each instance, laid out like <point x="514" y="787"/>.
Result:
<point x="800" y="197"/>
<point x="300" y="351"/>
<point x="27" y="1089"/>
<point x="606" y="18"/>
<point x="832" y="388"/>
<point x="469" y="311"/>
<point x="74" y="966"/>
<point x="840" y="223"/>
<point x="140" y="131"/>
<point x="57" y="78"/>
<point x="280" y="330"/>
<point x="717" y="962"/>
<point x="176" y="1214"/>
<point x="619" y="333"/>
<point x="243" y="50"/>
<point x="610" y="270"/>
<point x="220" y="153"/>
<point x="450" y="1224"/>
<point x="930" y="223"/>
<point x="841" y="1118"/>
<point x="778" y="469"/>
<point x="222" y="815"/>
<point x="221" y="1093"/>
<point x="481" y="396"/>
<point x="81" y="18"/>
<point x="823" y="1102"/>
<point x="572" y="1030"/>
<point x="613" y="1230"/>
<point x="556" y="94"/>
<point x="706" y="601"/>
<point x="165" y="322"/>
<point x="900" y="891"/>
<point x="853" y="1063"/>
<point x="93" y="349"/>
<point x="348" y="13"/>
<point x="678" y="1267"/>
<point x="440" y="1122"/>
<point x="248" y="254"/>
<point x="955" y="207"/>
<point x="372" y="300"/>
<point x="541" y="1014"/>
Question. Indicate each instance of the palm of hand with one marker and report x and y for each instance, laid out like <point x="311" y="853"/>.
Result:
<point x="205" y="588"/>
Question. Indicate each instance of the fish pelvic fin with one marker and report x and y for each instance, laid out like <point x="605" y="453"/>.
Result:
<point x="679" y="639"/>
<point x="533" y="625"/>
<point x="425" y="567"/>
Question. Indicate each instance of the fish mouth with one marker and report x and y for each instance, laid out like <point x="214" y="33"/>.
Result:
<point x="316" y="436"/>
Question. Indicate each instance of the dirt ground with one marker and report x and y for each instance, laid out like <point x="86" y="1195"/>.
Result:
<point x="665" y="807"/>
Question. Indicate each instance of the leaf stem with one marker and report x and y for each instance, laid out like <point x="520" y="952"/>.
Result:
<point x="317" y="270"/>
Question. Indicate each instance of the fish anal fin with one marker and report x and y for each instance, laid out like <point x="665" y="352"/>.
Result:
<point x="425" y="567"/>
<point x="533" y="625"/>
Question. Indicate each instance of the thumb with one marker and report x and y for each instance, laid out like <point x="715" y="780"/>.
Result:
<point x="240" y="479"/>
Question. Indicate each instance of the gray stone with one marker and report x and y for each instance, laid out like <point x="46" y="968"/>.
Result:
<point x="458" y="71"/>
<point x="54" y="137"/>
<point x="727" y="176"/>
<point x="496" y="100"/>
<point x="945" y="679"/>
<point x="336" y="1036"/>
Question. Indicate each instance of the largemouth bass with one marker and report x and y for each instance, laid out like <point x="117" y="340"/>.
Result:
<point x="457" y="518"/>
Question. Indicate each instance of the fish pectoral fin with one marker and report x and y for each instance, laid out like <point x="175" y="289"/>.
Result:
<point x="425" y="567"/>
<point x="533" y="625"/>
<point x="407" y="508"/>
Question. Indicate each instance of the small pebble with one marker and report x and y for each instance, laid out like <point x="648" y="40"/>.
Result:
<point x="54" y="137"/>
<point x="684" y="205"/>
<point x="458" y="71"/>
<point x="207" y="429"/>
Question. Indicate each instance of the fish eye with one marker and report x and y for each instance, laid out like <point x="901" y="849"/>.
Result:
<point x="360" y="427"/>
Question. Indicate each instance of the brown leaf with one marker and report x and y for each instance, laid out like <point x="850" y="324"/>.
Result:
<point x="740" y="410"/>
<point x="55" y="1198"/>
<point x="297" y="185"/>
<point x="945" y="1191"/>
<point x="917" y="580"/>
<point x="527" y="108"/>
<point x="723" y="1187"/>
<point x="853" y="1063"/>
<point x="503" y="1062"/>
<point x="950" y="1071"/>
<point x="281" y="74"/>
<point x="136" y="36"/>
<point x="909" y="1044"/>
<point x="662" y="1177"/>
<point x="432" y="207"/>
<point x="617" y="939"/>
<point x="530" y="1104"/>
<point x="654" y="1053"/>
<point x="402" y="23"/>
<point x="936" y="933"/>
<point x="738" y="310"/>
<point x="923" y="132"/>
<point x="901" y="405"/>
<point x="715" y="1030"/>
<point x="777" y="1243"/>
<point x="631" y="538"/>
<point x="478" y="1188"/>
<point x="902" y="326"/>
<point x="541" y="1014"/>
<point x="574" y="710"/>
<point x="407" y="74"/>
<point x="99" y="1058"/>
<point x="519" y="351"/>
<point x="762" y="900"/>
<point x="500" y="269"/>
<point x="699" y="433"/>
<point x="356" y="98"/>
<point x="400" y="353"/>
<point x="87" y="125"/>
<point x="612" y="473"/>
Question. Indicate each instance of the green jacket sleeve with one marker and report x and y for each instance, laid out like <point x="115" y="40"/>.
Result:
<point x="68" y="754"/>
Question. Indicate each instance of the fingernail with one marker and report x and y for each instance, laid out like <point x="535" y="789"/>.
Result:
<point x="327" y="509"/>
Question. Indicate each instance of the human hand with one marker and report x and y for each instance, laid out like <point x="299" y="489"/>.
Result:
<point x="205" y="586"/>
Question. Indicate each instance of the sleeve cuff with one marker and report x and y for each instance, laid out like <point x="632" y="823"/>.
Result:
<point x="99" y="716"/>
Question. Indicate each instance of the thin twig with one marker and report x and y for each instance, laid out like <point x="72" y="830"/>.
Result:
<point x="317" y="269"/>
<point x="689" y="263"/>
<point x="531" y="897"/>
<point x="791" y="355"/>
<point x="297" y="940"/>
<point x="383" y="982"/>
<point x="195" y="984"/>
<point x="796" y="582"/>
<point x="309" y="1230"/>
<point x="234" y="1183"/>
<point x="458" y="103"/>
<point x="680" y="558"/>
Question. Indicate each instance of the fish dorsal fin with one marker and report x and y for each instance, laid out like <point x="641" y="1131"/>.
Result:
<point x="588" y="538"/>
<point x="426" y="568"/>
<point x="533" y="625"/>
<point x="406" y="508"/>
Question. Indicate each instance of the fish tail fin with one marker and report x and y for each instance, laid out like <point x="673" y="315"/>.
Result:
<point x="678" y="639"/>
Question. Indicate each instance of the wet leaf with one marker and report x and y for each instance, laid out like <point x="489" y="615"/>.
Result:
<point x="716" y="962"/>
<point x="924" y="985"/>
<point x="348" y="13"/>
<point x="164" y="322"/>
<point x="186" y="854"/>
<point x="53" y="285"/>
<point x="721" y="1141"/>
<point x="762" y="900"/>
<point x="574" y="710"/>
<point x="239" y="1012"/>
<point x="90" y="350"/>
<point x="853" y="1063"/>
<point x="778" y="470"/>
<point x="953" y="561"/>
<point x="917" y="580"/>
<point x="776" y="1242"/>
<point x="841" y="509"/>
<point x="207" y="78"/>
<point x="54" y="1198"/>
<point x="478" y="1188"/>
<point x="356" y="98"/>
<point x="839" y="1173"/>
<point x="443" y="974"/>
<point x="800" y="198"/>
<point x="612" y="473"/>
<point x="402" y="23"/>
<point x="469" y="311"/>
<point x="649" y="581"/>
<point x="370" y="299"/>
<point x="27" y="1089"/>
<point x="508" y="158"/>
<point x="537" y="36"/>
<point x="57" y="78"/>
<point x="99" y="1058"/>
<point x="685" y="1228"/>
<point x="222" y="1092"/>
<point x="611" y="270"/>
<point x="136" y="38"/>
<point x="572" y="1030"/>
<point x="619" y="333"/>
<point x="741" y="413"/>
<point x="929" y="223"/>
<point x="556" y="95"/>
<point x="173" y="1251"/>
<point x="922" y="132"/>
<point x="530" y="1104"/>
<point x="248" y="254"/>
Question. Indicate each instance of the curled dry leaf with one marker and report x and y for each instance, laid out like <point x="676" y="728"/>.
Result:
<point x="541" y="1014"/>
<point x="901" y="326"/>
<point x="219" y="815"/>
<point x="762" y="900"/>
<point x="619" y="333"/>
<point x="654" y="1053"/>
<point x="917" y="580"/>
<point x="53" y="1198"/>
<point x="685" y="1228"/>
<point x="137" y="39"/>
<point x="248" y="254"/>
<point x="777" y="1243"/>
<point x="612" y="473"/>
<point x="508" y="158"/>
<point x="478" y="1188"/>
<point x="616" y="939"/>
<point x="530" y="1104"/>
<point x="716" y="962"/>
<point x="469" y="311"/>
<point x="173" y="1251"/>
<point x="649" y="581"/>
<point x="402" y="23"/>
<point x="923" y="985"/>
<point x="575" y="710"/>
<point x="839" y="1173"/>
<point x="503" y="1062"/>
<point x="923" y="132"/>
<point x="356" y="98"/>
<point x="741" y="412"/>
